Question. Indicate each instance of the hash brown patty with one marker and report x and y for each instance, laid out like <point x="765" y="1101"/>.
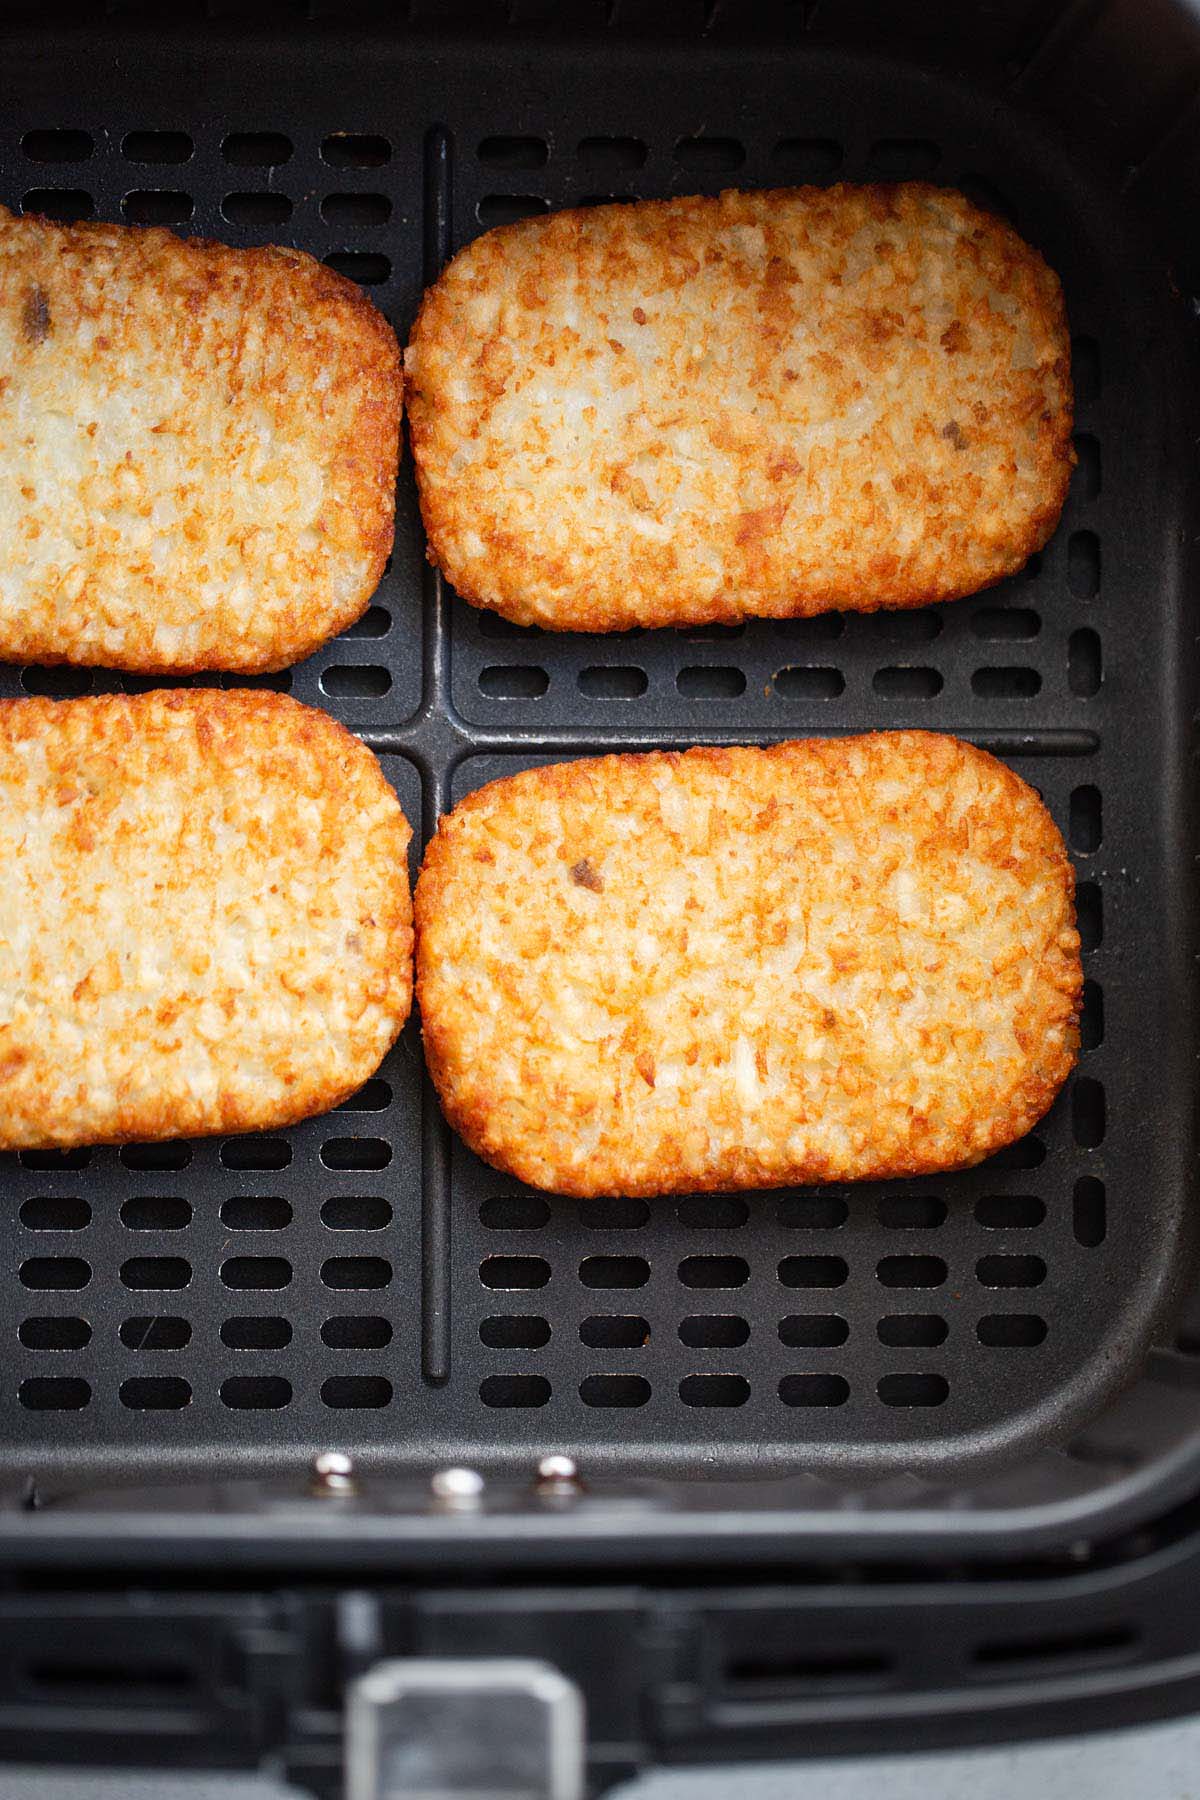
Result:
<point x="205" y="922"/>
<point x="738" y="968"/>
<point x="769" y="404"/>
<point x="198" y="449"/>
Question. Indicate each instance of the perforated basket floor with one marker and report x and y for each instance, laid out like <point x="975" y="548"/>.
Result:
<point x="364" y="1282"/>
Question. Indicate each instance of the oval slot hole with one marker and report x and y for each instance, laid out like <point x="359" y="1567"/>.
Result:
<point x="515" y="1331"/>
<point x="903" y="683"/>
<point x="1083" y="565"/>
<point x="1005" y="684"/>
<point x="373" y="1096"/>
<point x="356" y="212"/>
<point x="256" y="1153"/>
<point x="814" y="1390"/>
<point x="611" y="155"/>
<point x="705" y="682"/>
<point x="813" y="1331"/>
<point x="807" y="159"/>
<point x="356" y="1272"/>
<point x="912" y="1212"/>
<point x="356" y="1153"/>
<point x="52" y="1212"/>
<point x="712" y="1212"/>
<point x="1091" y="1024"/>
<point x="603" y="682"/>
<point x="156" y="206"/>
<point x="356" y="1391"/>
<point x="517" y="681"/>
<point x="256" y="1393"/>
<point x="1089" y="915"/>
<point x="256" y="1272"/>
<point x="54" y="1393"/>
<point x="513" y="152"/>
<point x="256" y="149"/>
<point x="156" y="1272"/>
<point x="356" y="1212"/>
<point x="57" y="146"/>
<point x="614" y="1390"/>
<point x="356" y="1331"/>
<point x="813" y="1212"/>
<point x="514" y="1212"/>
<point x="714" y="1272"/>
<point x="709" y="155"/>
<point x="911" y="1271"/>
<point x="616" y="1214"/>
<point x="802" y="683"/>
<point x="156" y="1212"/>
<point x="912" y="1331"/>
<point x="514" y="1390"/>
<point x="917" y="1389"/>
<point x="355" y="150"/>
<point x="54" y="1159"/>
<point x="65" y="205"/>
<point x="714" y="1390"/>
<point x="1088" y="1113"/>
<point x="50" y="1333"/>
<point x="256" y="210"/>
<point x="615" y="1331"/>
<point x="157" y="147"/>
<point x="256" y="1212"/>
<point x="55" y="1272"/>
<point x="1089" y="1212"/>
<point x="1026" y="1153"/>
<point x="156" y="1157"/>
<point x="902" y="159"/>
<point x="155" y="1331"/>
<point x="713" y="1331"/>
<point x="999" y="624"/>
<point x="155" y="1393"/>
<point x="613" y="1271"/>
<point x="256" y="1332"/>
<point x="506" y="209"/>
<point x="813" y="1271"/>
<point x="1010" y="1271"/>
<point x="1085" y="669"/>
<point x="1011" y="1331"/>
<point x="1009" y="1212"/>
<point x="514" y="1274"/>
<point x="355" y="681"/>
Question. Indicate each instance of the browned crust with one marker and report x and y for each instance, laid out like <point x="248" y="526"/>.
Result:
<point x="298" y="793"/>
<point x="314" y="315"/>
<point x="514" y="573"/>
<point x="1012" y="829"/>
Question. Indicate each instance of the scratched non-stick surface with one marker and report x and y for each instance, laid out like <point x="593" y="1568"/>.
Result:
<point x="363" y="1280"/>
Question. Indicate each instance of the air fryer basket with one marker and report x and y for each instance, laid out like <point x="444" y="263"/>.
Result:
<point x="944" y="1356"/>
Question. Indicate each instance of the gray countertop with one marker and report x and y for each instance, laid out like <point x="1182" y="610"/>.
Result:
<point x="1157" y="1762"/>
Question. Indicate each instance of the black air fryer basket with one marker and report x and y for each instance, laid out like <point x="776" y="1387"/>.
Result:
<point x="849" y="1458"/>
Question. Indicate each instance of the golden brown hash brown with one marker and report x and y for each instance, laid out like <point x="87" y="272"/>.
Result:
<point x="824" y="961"/>
<point x="197" y="449"/>
<point x="764" y="404"/>
<point x="205" y="922"/>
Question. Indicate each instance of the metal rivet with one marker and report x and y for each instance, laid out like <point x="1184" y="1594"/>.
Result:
<point x="558" y="1475"/>
<point x="333" y="1475"/>
<point x="460" y="1489"/>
